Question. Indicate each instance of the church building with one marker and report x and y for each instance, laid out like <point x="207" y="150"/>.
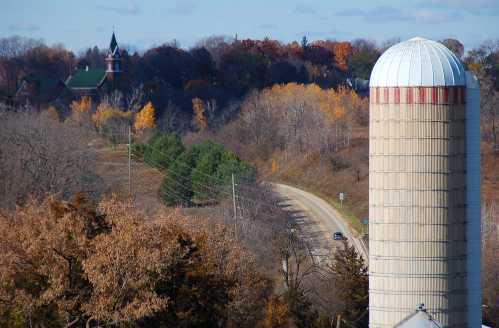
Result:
<point x="91" y="81"/>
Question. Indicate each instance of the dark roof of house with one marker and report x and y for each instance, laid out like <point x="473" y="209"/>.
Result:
<point x="41" y="89"/>
<point x="86" y="79"/>
<point x="43" y="83"/>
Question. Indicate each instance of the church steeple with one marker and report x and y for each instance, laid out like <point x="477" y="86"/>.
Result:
<point x="113" y="59"/>
<point x="114" y="44"/>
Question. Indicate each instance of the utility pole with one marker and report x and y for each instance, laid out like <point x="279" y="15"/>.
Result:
<point x="235" y="208"/>
<point x="130" y="160"/>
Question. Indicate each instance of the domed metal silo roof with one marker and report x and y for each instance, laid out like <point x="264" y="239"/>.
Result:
<point x="418" y="62"/>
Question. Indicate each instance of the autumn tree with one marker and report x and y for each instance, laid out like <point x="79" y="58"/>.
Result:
<point x="71" y="264"/>
<point x="81" y="111"/>
<point x="12" y="50"/>
<point x="53" y="113"/>
<point x="364" y="56"/>
<point x="297" y="266"/>
<point x="484" y="62"/>
<point x="301" y="118"/>
<point x="455" y="46"/>
<point x="105" y="113"/>
<point x="490" y="265"/>
<point x="53" y="61"/>
<point x="199" y="119"/>
<point x="145" y="119"/>
<point x="351" y="280"/>
<point x="274" y="167"/>
<point x="39" y="155"/>
<point x="342" y="52"/>
<point x="276" y="314"/>
<point x="43" y="249"/>
<point x="112" y="123"/>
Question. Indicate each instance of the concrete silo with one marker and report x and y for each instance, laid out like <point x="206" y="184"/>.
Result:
<point x="424" y="224"/>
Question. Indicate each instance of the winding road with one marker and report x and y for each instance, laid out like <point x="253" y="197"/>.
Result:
<point x="318" y="221"/>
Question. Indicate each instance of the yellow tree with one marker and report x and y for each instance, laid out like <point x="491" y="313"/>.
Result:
<point x="145" y="119"/>
<point x="199" y="118"/>
<point x="52" y="113"/>
<point x="105" y="112"/>
<point x="275" y="167"/>
<point x="342" y="52"/>
<point x="276" y="314"/>
<point x="80" y="110"/>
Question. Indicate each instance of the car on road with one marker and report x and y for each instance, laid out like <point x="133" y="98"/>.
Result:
<point x="338" y="235"/>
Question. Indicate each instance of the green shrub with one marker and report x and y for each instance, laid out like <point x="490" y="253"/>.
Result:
<point x="177" y="184"/>
<point x="204" y="178"/>
<point x="199" y="174"/>
<point x="138" y="151"/>
<point x="231" y="164"/>
<point x="162" y="150"/>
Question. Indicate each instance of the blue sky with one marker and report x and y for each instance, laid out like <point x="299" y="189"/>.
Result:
<point x="142" y="23"/>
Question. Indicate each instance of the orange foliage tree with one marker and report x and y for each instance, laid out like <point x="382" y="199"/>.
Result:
<point x="199" y="119"/>
<point x="81" y="110"/>
<point x="71" y="264"/>
<point x="276" y="314"/>
<point x="275" y="167"/>
<point x="145" y="119"/>
<point x="342" y="51"/>
<point x="52" y="113"/>
<point x="301" y="118"/>
<point x="105" y="112"/>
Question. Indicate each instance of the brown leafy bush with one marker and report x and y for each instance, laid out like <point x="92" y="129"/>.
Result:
<point x="70" y="264"/>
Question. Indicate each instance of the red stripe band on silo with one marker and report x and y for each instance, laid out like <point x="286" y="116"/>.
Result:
<point x="422" y="98"/>
<point x="410" y="92"/>
<point x="418" y="95"/>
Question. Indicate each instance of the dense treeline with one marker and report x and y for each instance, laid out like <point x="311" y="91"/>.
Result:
<point x="217" y="69"/>
<point x="220" y="70"/>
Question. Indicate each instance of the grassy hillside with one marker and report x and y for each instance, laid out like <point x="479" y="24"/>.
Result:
<point x="353" y="178"/>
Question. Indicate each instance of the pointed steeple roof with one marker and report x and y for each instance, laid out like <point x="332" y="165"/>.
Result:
<point x="113" y="45"/>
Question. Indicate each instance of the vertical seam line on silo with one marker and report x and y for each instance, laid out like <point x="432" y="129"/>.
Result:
<point x="420" y="65"/>
<point x="441" y="67"/>
<point x="427" y="52"/>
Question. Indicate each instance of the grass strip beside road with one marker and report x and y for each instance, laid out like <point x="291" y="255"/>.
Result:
<point x="353" y="221"/>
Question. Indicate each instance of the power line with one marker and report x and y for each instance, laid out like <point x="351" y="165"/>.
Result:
<point x="209" y="176"/>
<point x="169" y="156"/>
<point x="211" y="188"/>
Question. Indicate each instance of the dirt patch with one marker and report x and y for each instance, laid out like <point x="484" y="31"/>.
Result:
<point x="145" y="181"/>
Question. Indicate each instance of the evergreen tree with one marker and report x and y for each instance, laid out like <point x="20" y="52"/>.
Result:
<point x="163" y="150"/>
<point x="231" y="164"/>
<point x="352" y="283"/>
<point x="177" y="184"/>
<point x="204" y="179"/>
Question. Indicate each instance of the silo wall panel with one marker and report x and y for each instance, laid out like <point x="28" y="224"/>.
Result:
<point x="417" y="230"/>
<point x="473" y="198"/>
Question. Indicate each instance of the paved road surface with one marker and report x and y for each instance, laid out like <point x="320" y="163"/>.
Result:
<point x="318" y="221"/>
